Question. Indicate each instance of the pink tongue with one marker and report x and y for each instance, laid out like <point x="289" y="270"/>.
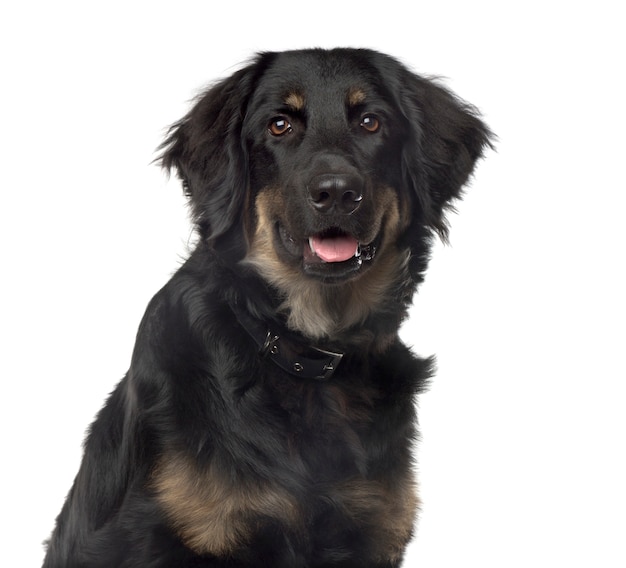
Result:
<point x="335" y="249"/>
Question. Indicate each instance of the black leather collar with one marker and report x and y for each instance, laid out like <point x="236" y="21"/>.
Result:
<point x="290" y="355"/>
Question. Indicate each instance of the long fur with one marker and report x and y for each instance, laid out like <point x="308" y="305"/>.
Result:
<point x="209" y="454"/>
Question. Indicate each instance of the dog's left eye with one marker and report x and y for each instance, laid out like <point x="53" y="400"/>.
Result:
<point x="370" y="122"/>
<point x="280" y="126"/>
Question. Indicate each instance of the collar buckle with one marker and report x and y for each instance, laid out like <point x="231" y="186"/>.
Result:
<point x="310" y="362"/>
<point x="331" y="364"/>
<point x="300" y="360"/>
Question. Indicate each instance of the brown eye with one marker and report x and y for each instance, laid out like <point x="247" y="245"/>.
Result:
<point x="280" y="126"/>
<point x="370" y="122"/>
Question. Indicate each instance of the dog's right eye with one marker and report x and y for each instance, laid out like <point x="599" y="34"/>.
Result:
<point x="371" y="123"/>
<point x="280" y="126"/>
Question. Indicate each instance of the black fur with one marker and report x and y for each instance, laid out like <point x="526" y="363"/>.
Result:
<point x="200" y="407"/>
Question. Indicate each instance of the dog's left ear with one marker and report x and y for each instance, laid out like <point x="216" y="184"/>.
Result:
<point x="446" y="138"/>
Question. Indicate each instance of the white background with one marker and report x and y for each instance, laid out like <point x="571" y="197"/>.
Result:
<point x="522" y="461"/>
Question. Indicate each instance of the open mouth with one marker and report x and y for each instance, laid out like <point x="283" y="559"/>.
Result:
<point x="332" y="254"/>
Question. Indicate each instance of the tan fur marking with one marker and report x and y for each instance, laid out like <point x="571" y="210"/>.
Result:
<point x="211" y="513"/>
<point x="316" y="309"/>
<point x="295" y="101"/>
<point x="382" y="508"/>
<point x="356" y="96"/>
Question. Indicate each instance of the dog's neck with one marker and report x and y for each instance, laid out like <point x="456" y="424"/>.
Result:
<point x="340" y="313"/>
<point x="289" y="351"/>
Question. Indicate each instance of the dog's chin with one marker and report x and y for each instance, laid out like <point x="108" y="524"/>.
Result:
<point x="332" y="256"/>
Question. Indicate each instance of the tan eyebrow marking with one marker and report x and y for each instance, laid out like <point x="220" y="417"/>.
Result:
<point x="295" y="101"/>
<point x="356" y="96"/>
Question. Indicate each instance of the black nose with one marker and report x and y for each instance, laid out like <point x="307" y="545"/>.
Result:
<point x="336" y="192"/>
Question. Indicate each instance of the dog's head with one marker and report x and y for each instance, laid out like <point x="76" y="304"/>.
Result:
<point x="321" y="167"/>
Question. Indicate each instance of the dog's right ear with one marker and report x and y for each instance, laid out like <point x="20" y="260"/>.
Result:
<point x="205" y="148"/>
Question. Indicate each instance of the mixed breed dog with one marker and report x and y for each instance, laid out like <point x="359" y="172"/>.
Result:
<point x="267" y="418"/>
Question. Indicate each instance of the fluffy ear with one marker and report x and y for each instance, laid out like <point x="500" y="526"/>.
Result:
<point x="207" y="152"/>
<point x="446" y="139"/>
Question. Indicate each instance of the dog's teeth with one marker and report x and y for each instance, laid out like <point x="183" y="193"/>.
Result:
<point x="311" y="245"/>
<point x="357" y="253"/>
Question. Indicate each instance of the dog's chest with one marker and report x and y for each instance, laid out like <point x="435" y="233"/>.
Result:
<point x="329" y="426"/>
<point x="319" y="478"/>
